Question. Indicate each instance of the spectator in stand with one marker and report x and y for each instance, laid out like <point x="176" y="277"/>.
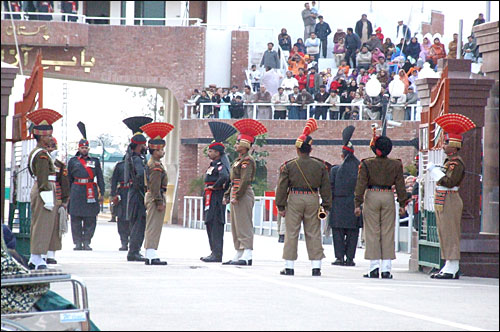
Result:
<point x="44" y="7"/>
<point x="339" y="50"/>
<point x="373" y="107"/>
<point x="304" y="99"/>
<point x="345" y="98"/>
<point x="343" y="85"/>
<point x="413" y="48"/>
<point x="437" y="52"/>
<point x="217" y="98"/>
<point x="280" y="99"/>
<point x="348" y="114"/>
<point x="364" y="58"/>
<point x="397" y="60"/>
<point x="300" y="46"/>
<point x="296" y="62"/>
<point x="353" y="76"/>
<point x="364" y="29"/>
<point x="204" y="99"/>
<point x="234" y="92"/>
<point x="70" y="7"/>
<point x="479" y="20"/>
<point x="194" y="96"/>
<point x="309" y="19"/>
<point x="381" y="65"/>
<point x="212" y="89"/>
<point x="372" y="70"/>
<point x="312" y="45"/>
<point x="293" y="110"/>
<point x="320" y="98"/>
<point x="271" y="80"/>
<point x="376" y="55"/>
<point x="339" y="34"/>
<point x="344" y="67"/>
<point x="16" y="6"/>
<point x="289" y="82"/>
<point x="404" y="78"/>
<point x="411" y="99"/>
<point x="374" y="43"/>
<point x="225" y="110"/>
<point x="412" y="78"/>
<point x="301" y="79"/>
<point x="453" y="46"/>
<point x="237" y="109"/>
<point x="361" y="89"/>
<point x="379" y="34"/>
<point x="356" y="101"/>
<point x="248" y="98"/>
<point x="310" y="62"/>
<point x="353" y="44"/>
<point x="402" y="45"/>
<point x="398" y="108"/>
<point x="295" y="92"/>
<point x="263" y="96"/>
<point x="313" y="81"/>
<point x="322" y="30"/>
<point x="314" y="8"/>
<point x="295" y="50"/>
<point x="470" y="49"/>
<point x="382" y="77"/>
<point x="362" y="72"/>
<point x="425" y="49"/>
<point x="285" y="41"/>
<point x="270" y="58"/>
<point x="352" y="86"/>
<point x="388" y="47"/>
<point x="255" y="78"/>
<point x="334" y="99"/>
<point x="403" y="32"/>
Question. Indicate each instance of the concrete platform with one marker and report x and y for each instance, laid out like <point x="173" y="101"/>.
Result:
<point x="191" y="295"/>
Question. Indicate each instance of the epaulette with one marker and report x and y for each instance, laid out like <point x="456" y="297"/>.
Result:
<point x="321" y="161"/>
<point x="158" y="169"/>
<point x="43" y="154"/>
<point x="282" y="167"/>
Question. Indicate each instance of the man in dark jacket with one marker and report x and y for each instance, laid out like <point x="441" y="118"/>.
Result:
<point x="352" y="44"/>
<point x="364" y="29"/>
<point x="345" y="225"/>
<point x="322" y="30"/>
<point x="119" y="193"/>
<point x="270" y="58"/>
<point x="402" y="31"/>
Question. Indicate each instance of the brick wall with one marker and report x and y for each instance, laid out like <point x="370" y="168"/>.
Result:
<point x="239" y="57"/>
<point x="436" y="25"/>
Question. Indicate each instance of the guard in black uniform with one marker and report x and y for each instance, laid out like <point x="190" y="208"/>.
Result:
<point x="345" y="225"/>
<point x="70" y="7"/>
<point x="135" y="162"/>
<point x="85" y="193"/>
<point x="216" y="182"/>
<point x="119" y="193"/>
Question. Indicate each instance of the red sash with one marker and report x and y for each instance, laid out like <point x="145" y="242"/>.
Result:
<point x="73" y="6"/>
<point x="208" y="195"/>
<point x="90" y="190"/>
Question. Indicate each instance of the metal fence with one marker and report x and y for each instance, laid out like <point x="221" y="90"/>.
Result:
<point x="191" y="111"/>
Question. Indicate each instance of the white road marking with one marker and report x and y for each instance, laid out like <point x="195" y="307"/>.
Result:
<point x="345" y="299"/>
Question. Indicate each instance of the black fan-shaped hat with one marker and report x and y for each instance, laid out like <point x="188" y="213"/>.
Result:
<point x="136" y="122"/>
<point x="83" y="130"/>
<point x="347" y="134"/>
<point x="221" y="130"/>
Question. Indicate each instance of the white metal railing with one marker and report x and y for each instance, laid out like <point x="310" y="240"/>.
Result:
<point x="190" y="111"/>
<point x="85" y="19"/>
<point x="409" y="209"/>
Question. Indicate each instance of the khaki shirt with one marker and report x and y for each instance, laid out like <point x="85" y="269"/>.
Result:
<point x="156" y="180"/>
<point x="380" y="171"/>
<point x="454" y="172"/>
<point x="42" y="168"/>
<point x="316" y="173"/>
<point x="242" y="169"/>
<point x="62" y="179"/>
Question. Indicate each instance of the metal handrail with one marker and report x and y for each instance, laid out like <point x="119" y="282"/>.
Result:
<point x="190" y="115"/>
<point x="83" y="18"/>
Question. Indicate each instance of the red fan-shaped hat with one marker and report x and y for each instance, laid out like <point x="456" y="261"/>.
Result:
<point x="157" y="131"/>
<point x="311" y="127"/>
<point x="249" y="129"/>
<point x="454" y="125"/>
<point x="43" y="119"/>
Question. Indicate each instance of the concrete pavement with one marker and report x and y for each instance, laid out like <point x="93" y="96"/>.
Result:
<point x="188" y="294"/>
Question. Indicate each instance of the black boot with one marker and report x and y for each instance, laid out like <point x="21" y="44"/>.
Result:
<point x="281" y="238"/>
<point x="86" y="246"/>
<point x="445" y="276"/>
<point x="386" y="275"/>
<point x="287" y="272"/>
<point x="316" y="272"/>
<point x="212" y="259"/>
<point x="124" y="247"/>
<point x="135" y="257"/>
<point x="51" y="261"/>
<point x="339" y="261"/>
<point x="373" y="274"/>
<point x="155" y="261"/>
<point x="349" y="262"/>
<point x="78" y="246"/>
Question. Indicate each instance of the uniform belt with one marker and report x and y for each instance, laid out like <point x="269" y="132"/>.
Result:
<point x="83" y="181"/>
<point x="52" y="178"/>
<point x="296" y="190"/>
<point x="447" y="189"/>
<point x="380" y="187"/>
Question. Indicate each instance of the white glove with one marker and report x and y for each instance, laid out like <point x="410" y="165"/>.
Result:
<point x="436" y="173"/>
<point x="48" y="199"/>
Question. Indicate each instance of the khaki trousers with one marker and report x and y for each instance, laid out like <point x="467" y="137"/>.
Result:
<point x="55" y="239"/>
<point x="42" y="222"/>
<point x="154" y="223"/>
<point x="242" y="221"/>
<point x="379" y="214"/>
<point x="302" y="208"/>
<point x="449" y="226"/>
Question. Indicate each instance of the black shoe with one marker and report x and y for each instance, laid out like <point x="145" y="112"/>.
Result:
<point x="316" y="273"/>
<point x="78" y="246"/>
<point x="281" y="238"/>
<point x="386" y="275"/>
<point x="86" y="246"/>
<point x="228" y="262"/>
<point x="287" y="272"/>
<point x="212" y="259"/>
<point x="124" y="247"/>
<point x="136" y="257"/>
<point x="349" y="262"/>
<point x="155" y="261"/>
<point x="446" y="276"/>
<point x="372" y="274"/>
<point x="338" y="262"/>
<point x="241" y="262"/>
<point x="32" y="266"/>
<point x="51" y="261"/>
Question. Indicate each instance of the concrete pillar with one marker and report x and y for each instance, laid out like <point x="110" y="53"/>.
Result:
<point x="129" y="12"/>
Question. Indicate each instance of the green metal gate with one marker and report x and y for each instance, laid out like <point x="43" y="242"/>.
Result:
<point x="20" y="224"/>
<point x="429" y="251"/>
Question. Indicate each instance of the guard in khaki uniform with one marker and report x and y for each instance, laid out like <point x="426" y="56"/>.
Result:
<point x="62" y="195"/>
<point x="300" y="183"/>
<point x="240" y="192"/>
<point x="156" y="182"/>
<point x="43" y="193"/>
<point x="448" y="204"/>
<point x="376" y="176"/>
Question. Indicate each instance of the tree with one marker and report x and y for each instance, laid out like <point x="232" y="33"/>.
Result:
<point x="151" y="99"/>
